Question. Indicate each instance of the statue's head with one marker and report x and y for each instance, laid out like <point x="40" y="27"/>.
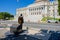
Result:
<point x="20" y="14"/>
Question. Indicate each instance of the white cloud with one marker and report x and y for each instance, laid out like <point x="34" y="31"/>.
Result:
<point x="17" y="0"/>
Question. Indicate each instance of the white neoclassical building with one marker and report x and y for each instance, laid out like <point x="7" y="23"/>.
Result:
<point x="39" y="9"/>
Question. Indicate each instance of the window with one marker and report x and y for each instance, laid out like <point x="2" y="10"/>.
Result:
<point x="29" y="9"/>
<point x="35" y="8"/>
<point x="35" y="13"/>
<point x="39" y="13"/>
<point x="41" y="7"/>
<point x="31" y="13"/>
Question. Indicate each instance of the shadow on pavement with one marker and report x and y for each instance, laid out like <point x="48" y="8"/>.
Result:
<point x="19" y="37"/>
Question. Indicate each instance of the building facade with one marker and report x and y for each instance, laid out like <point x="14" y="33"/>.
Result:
<point x="39" y="9"/>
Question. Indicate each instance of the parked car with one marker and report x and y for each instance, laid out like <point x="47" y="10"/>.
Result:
<point x="52" y="21"/>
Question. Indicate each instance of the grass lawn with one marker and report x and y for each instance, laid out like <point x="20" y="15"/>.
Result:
<point x="50" y="18"/>
<point x="11" y="18"/>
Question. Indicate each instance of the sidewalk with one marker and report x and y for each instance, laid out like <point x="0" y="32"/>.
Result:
<point x="3" y="31"/>
<point x="32" y="32"/>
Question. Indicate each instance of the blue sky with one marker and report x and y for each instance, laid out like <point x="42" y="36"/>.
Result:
<point x="11" y="5"/>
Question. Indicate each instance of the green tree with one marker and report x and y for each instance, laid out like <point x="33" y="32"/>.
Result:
<point x="12" y="15"/>
<point x="59" y="6"/>
<point x="4" y="15"/>
<point x="1" y="17"/>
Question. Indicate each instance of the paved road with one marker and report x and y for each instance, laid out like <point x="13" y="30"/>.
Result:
<point x="3" y="31"/>
<point x="49" y="26"/>
<point x="54" y="26"/>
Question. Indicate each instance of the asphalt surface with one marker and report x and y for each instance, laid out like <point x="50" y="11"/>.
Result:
<point x="50" y="26"/>
<point x="20" y="37"/>
<point x="2" y="32"/>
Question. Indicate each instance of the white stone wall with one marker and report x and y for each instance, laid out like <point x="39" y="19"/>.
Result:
<point x="32" y="14"/>
<point x="34" y="18"/>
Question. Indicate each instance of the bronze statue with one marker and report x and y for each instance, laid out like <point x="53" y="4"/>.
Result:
<point x="19" y="28"/>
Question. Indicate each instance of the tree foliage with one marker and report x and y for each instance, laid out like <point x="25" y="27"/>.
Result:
<point x="59" y="6"/>
<point x="4" y="15"/>
<point x="1" y="17"/>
